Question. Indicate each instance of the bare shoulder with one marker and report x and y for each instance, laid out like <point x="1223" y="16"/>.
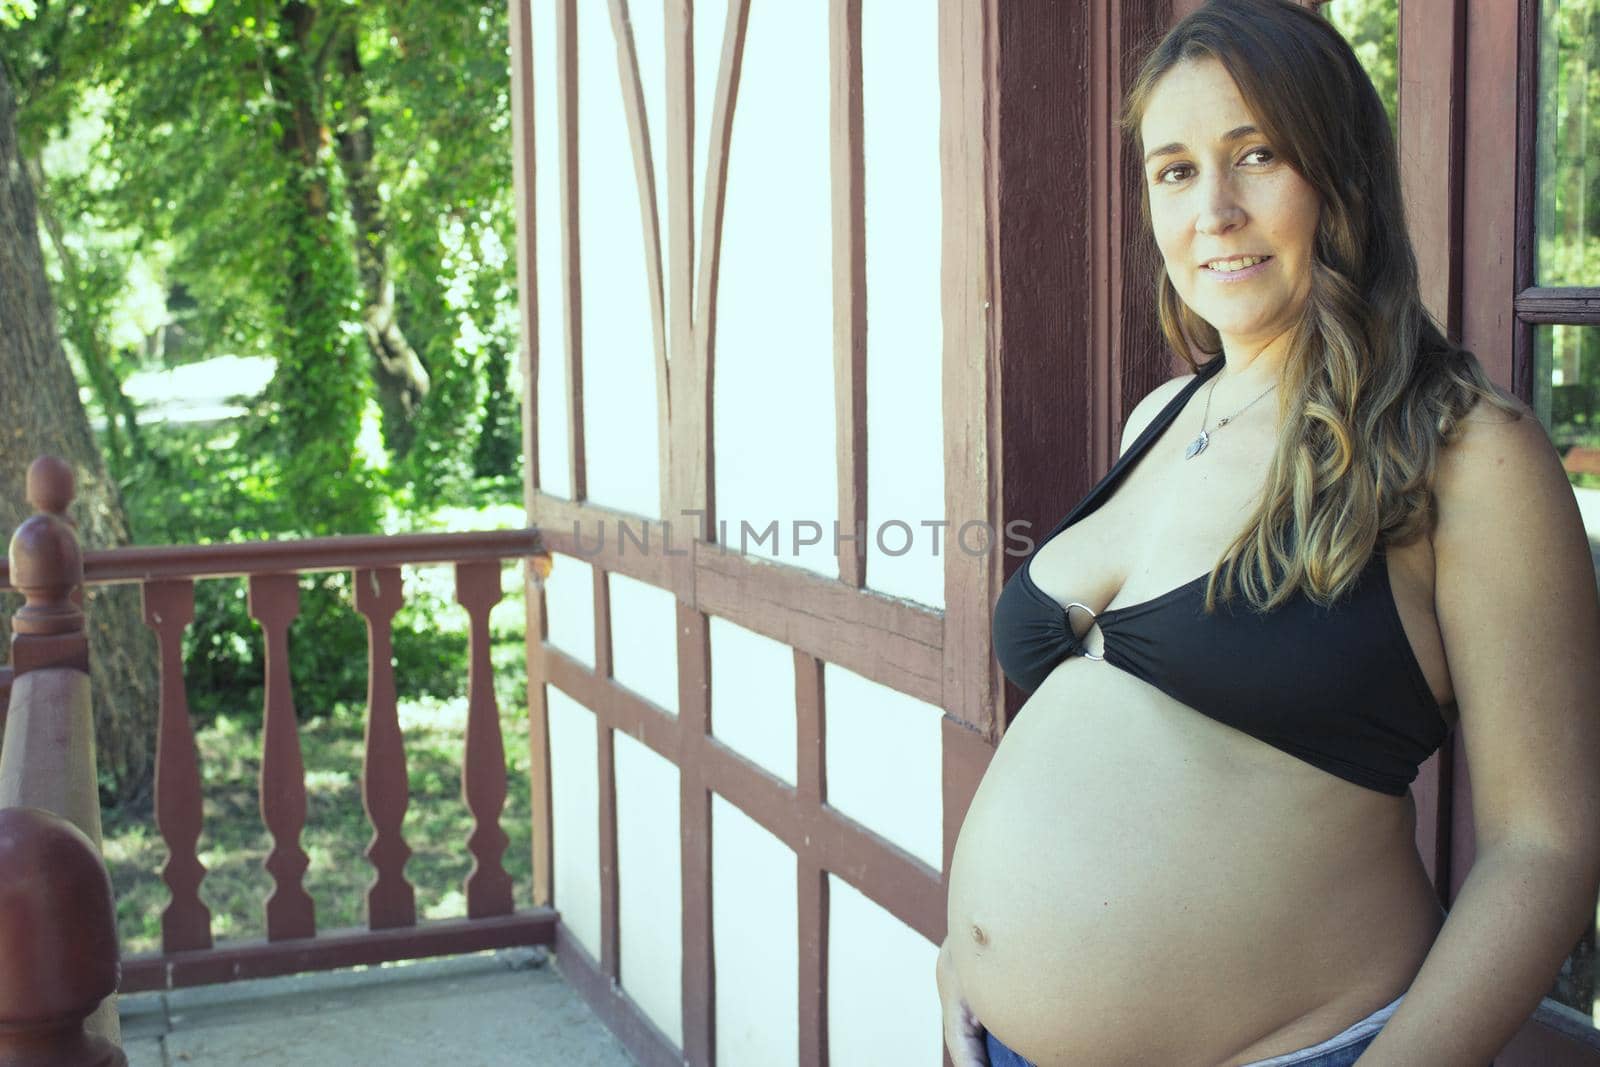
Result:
<point x="1146" y="410"/>
<point x="1506" y="513"/>
<point x="1497" y="458"/>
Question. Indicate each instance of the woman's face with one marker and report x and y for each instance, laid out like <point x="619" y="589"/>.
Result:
<point x="1219" y="191"/>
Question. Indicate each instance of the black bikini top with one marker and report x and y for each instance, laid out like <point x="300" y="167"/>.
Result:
<point x="1338" y="687"/>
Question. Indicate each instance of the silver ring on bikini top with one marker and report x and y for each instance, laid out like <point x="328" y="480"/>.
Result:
<point x="1082" y="648"/>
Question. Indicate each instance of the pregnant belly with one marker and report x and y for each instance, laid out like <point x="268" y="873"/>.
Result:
<point x="1135" y="883"/>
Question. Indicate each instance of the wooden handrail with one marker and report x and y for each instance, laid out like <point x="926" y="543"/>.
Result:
<point x="305" y="556"/>
<point x="167" y="578"/>
<point x="57" y="917"/>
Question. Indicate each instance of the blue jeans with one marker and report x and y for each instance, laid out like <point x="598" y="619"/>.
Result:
<point x="1340" y="1050"/>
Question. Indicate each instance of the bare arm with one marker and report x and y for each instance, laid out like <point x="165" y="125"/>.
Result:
<point x="1515" y="598"/>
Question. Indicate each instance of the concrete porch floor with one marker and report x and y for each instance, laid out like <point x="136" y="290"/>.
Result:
<point x="482" y="1010"/>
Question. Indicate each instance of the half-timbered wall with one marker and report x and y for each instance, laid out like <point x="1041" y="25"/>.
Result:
<point x="871" y="263"/>
<point x="754" y="742"/>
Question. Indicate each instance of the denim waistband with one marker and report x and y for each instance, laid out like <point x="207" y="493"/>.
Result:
<point x="1354" y="1032"/>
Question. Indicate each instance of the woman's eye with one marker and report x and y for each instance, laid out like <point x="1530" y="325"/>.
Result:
<point x="1176" y="167"/>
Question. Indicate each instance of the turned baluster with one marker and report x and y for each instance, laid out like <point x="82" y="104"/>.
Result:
<point x="186" y="922"/>
<point x="385" y="789"/>
<point x="483" y="779"/>
<point x="274" y="602"/>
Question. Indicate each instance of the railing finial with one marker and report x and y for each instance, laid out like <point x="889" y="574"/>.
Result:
<point x="51" y="485"/>
<point x="47" y="568"/>
<point x="58" y="943"/>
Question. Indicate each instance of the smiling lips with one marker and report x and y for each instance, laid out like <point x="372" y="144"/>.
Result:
<point x="1231" y="266"/>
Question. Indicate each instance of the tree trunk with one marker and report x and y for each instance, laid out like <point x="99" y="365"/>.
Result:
<point x="398" y="373"/>
<point x="84" y="319"/>
<point x="40" y="413"/>
<point x="319" y="388"/>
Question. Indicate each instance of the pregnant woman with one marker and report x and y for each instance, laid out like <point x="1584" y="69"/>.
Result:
<point x="1331" y="544"/>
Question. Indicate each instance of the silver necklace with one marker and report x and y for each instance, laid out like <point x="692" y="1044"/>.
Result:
<point x="1198" y="445"/>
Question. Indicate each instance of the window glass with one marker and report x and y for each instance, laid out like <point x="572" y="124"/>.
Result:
<point x="1567" y="199"/>
<point x="1371" y="27"/>
<point x="1566" y="395"/>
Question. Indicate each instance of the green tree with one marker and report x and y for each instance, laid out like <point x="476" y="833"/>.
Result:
<point x="1372" y="28"/>
<point x="317" y="174"/>
<point x="443" y="135"/>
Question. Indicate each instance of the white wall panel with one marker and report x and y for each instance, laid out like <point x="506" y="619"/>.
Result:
<point x="619" y="395"/>
<point x="650" y="898"/>
<point x="555" y="473"/>
<point x="710" y="17"/>
<point x="905" y="422"/>
<point x="884" y="764"/>
<point x="773" y="382"/>
<point x="569" y="608"/>
<point x="883" y="1005"/>
<point x="752" y="696"/>
<point x="575" y="817"/>
<point x="644" y="640"/>
<point x="754" y="917"/>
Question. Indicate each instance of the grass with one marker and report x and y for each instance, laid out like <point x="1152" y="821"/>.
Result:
<point x="234" y="843"/>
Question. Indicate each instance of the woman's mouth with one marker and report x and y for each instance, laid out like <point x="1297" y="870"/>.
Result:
<point x="1233" y="270"/>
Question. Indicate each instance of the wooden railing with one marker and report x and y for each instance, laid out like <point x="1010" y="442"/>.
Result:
<point x="58" y="937"/>
<point x="293" y="943"/>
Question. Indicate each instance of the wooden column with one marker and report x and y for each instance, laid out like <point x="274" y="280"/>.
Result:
<point x="1432" y="71"/>
<point x="48" y="760"/>
<point x="1073" y="343"/>
<point x="524" y="170"/>
<point x="58" y="945"/>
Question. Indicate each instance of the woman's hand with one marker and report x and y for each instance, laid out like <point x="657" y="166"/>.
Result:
<point x="963" y="1033"/>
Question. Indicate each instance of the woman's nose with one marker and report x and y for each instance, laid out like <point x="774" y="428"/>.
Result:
<point x="1219" y="208"/>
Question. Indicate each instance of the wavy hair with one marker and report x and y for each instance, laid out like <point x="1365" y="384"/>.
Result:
<point x="1372" y="389"/>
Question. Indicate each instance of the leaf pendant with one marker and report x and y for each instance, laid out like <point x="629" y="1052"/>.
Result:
<point x="1197" y="446"/>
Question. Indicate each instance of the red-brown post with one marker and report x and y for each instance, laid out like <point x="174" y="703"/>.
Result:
<point x="49" y="763"/>
<point x="58" y="943"/>
<point x="58" y="947"/>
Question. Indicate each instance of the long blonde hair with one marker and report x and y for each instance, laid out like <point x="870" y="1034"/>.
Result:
<point x="1372" y="388"/>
